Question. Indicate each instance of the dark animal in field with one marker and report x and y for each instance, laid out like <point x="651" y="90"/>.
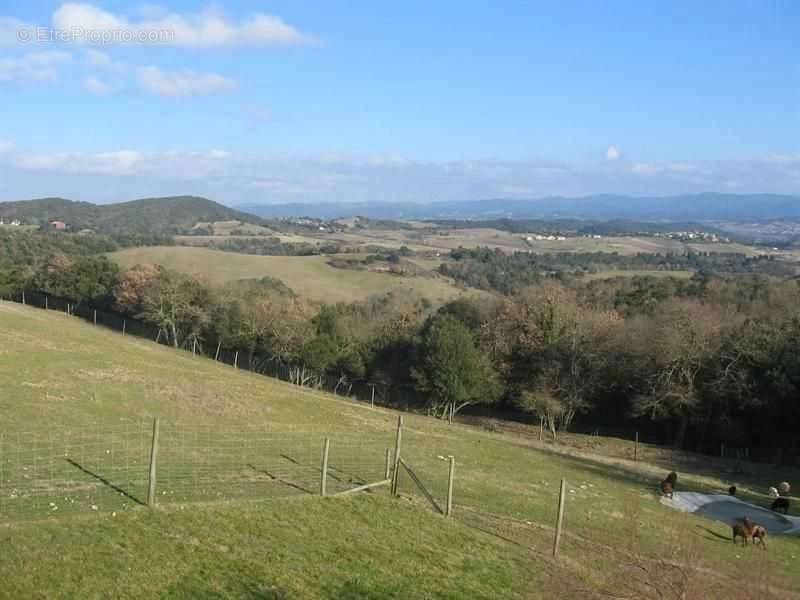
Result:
<point x="743" y="529"/>
<point x="781" y="505"/>
<point x="748" y="530"/>
<point x="668" y="485"/>
<point x="760" y="534"/>
<point x="732" y="490"/>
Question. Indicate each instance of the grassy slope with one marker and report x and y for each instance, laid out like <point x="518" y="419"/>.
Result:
<point x="57" y="373"/>
<point x="362" y="547"/>
<point x="308" y="276"/>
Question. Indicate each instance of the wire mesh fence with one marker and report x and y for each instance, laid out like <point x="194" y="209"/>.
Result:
<point x="245" y="359"/>
<point x="108" y="469"/>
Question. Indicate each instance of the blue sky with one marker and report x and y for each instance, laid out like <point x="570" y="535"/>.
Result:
<point x="397" y="101"/>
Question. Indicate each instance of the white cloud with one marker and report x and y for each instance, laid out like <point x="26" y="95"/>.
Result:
<point x="98" y="58"/>
<point x="203" y="30"/>
<point x="6" y="147"/>
<point x="120" y="162"/>
<point x="234" y="177"/>
<point x="93" y="85"/>
<point x="612" y="153"/>
<point x="38" y="66"/>
<point x="183" y="83"/>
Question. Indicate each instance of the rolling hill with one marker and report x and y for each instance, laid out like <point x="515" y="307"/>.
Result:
<point x="63" y="377"/>
<point x="146" y="216"/>
<point x="310" y="277"/>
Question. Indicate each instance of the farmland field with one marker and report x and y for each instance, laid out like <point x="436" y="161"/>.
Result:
<point x="59" y="374"/>
<point x="308" y="276"/>
<point x="433" y="239"/>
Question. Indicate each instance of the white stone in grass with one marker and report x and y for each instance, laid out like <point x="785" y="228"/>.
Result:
<point x="94" y="506"/>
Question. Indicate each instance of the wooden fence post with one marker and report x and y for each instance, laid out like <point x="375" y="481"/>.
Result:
<point x="388" y="472"/>
<point x="541" y="429"/>
<point x="151" y="484"/>
<point x="95" y="317"/>
<point x="194" y="347"/>
<point x="23" y="296"/>
<point x="450" y="478"/>
<point x="46" y="304"/>
<point x="323" y="482"/>
<point x="124" y="325"/>
<point x="560" y="523"/>
<point x="372" y="402"/>
<point x="636" y="447"/>
<point x="219" y="345"/>
<point x="397" y="444"/>
<point x="236" y="360"/>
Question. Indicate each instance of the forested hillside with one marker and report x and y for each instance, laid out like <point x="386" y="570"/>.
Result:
<point x="146" y="216"/>
<point x="696" y="361"/>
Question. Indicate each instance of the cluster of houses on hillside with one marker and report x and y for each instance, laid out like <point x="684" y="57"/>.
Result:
<point x="695" y="236"/>
<point x="541" y="238"/>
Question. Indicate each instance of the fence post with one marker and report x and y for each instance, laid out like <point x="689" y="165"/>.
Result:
<point x="323" y="482"/>
<point x="541" y="429"/>
<point x="46" y="304"/>
<point x="124" y="325"/>
<point x="397" y="443"/>
<point x="151" y="484"/>
<point x="372" y="402"/>
<point x="216" y="356"/>
<point x="560" y="522"/>
<point x="194" y="347"/>
<point x="450" y="478"/>
<point x="388" y="472"/>
<point x="236" y="360"/>
<point x="23" y="297"/>
<point x="95" y="316"/>
<point x="636" y="447"/>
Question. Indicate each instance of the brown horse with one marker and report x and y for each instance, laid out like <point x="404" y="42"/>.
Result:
<point x="668" y="485"/>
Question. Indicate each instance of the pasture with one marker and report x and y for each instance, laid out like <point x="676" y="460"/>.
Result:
<point x="308" y="276"/>
<point x="59" y="374"/>
<point x="443" y="240"/>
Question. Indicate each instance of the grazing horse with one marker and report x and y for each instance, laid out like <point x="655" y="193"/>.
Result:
<point x="780" y="505"/>
<point x="668" y="485"/>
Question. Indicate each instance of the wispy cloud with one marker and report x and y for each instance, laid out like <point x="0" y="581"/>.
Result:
<point x="234" y="177"/>
<point x="121" y="162"/>
<point x="92" y="25"/>
<point x="37" y="66"/>
<point x="612" y="153"/>
<point x="93" y="85"/>
<point x="98" y="58"/>
<point x="183" y="83"/>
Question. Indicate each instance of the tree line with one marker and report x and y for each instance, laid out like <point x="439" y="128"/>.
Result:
<point x="700" y="361"/>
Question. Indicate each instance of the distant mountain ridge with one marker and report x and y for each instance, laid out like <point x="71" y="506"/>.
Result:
<point x="694" y="207"/>
<point x="146" y="216"/>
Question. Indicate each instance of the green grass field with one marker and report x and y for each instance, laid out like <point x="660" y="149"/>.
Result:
<point x="62" y="378"/>
<point x="308" y="276"/>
